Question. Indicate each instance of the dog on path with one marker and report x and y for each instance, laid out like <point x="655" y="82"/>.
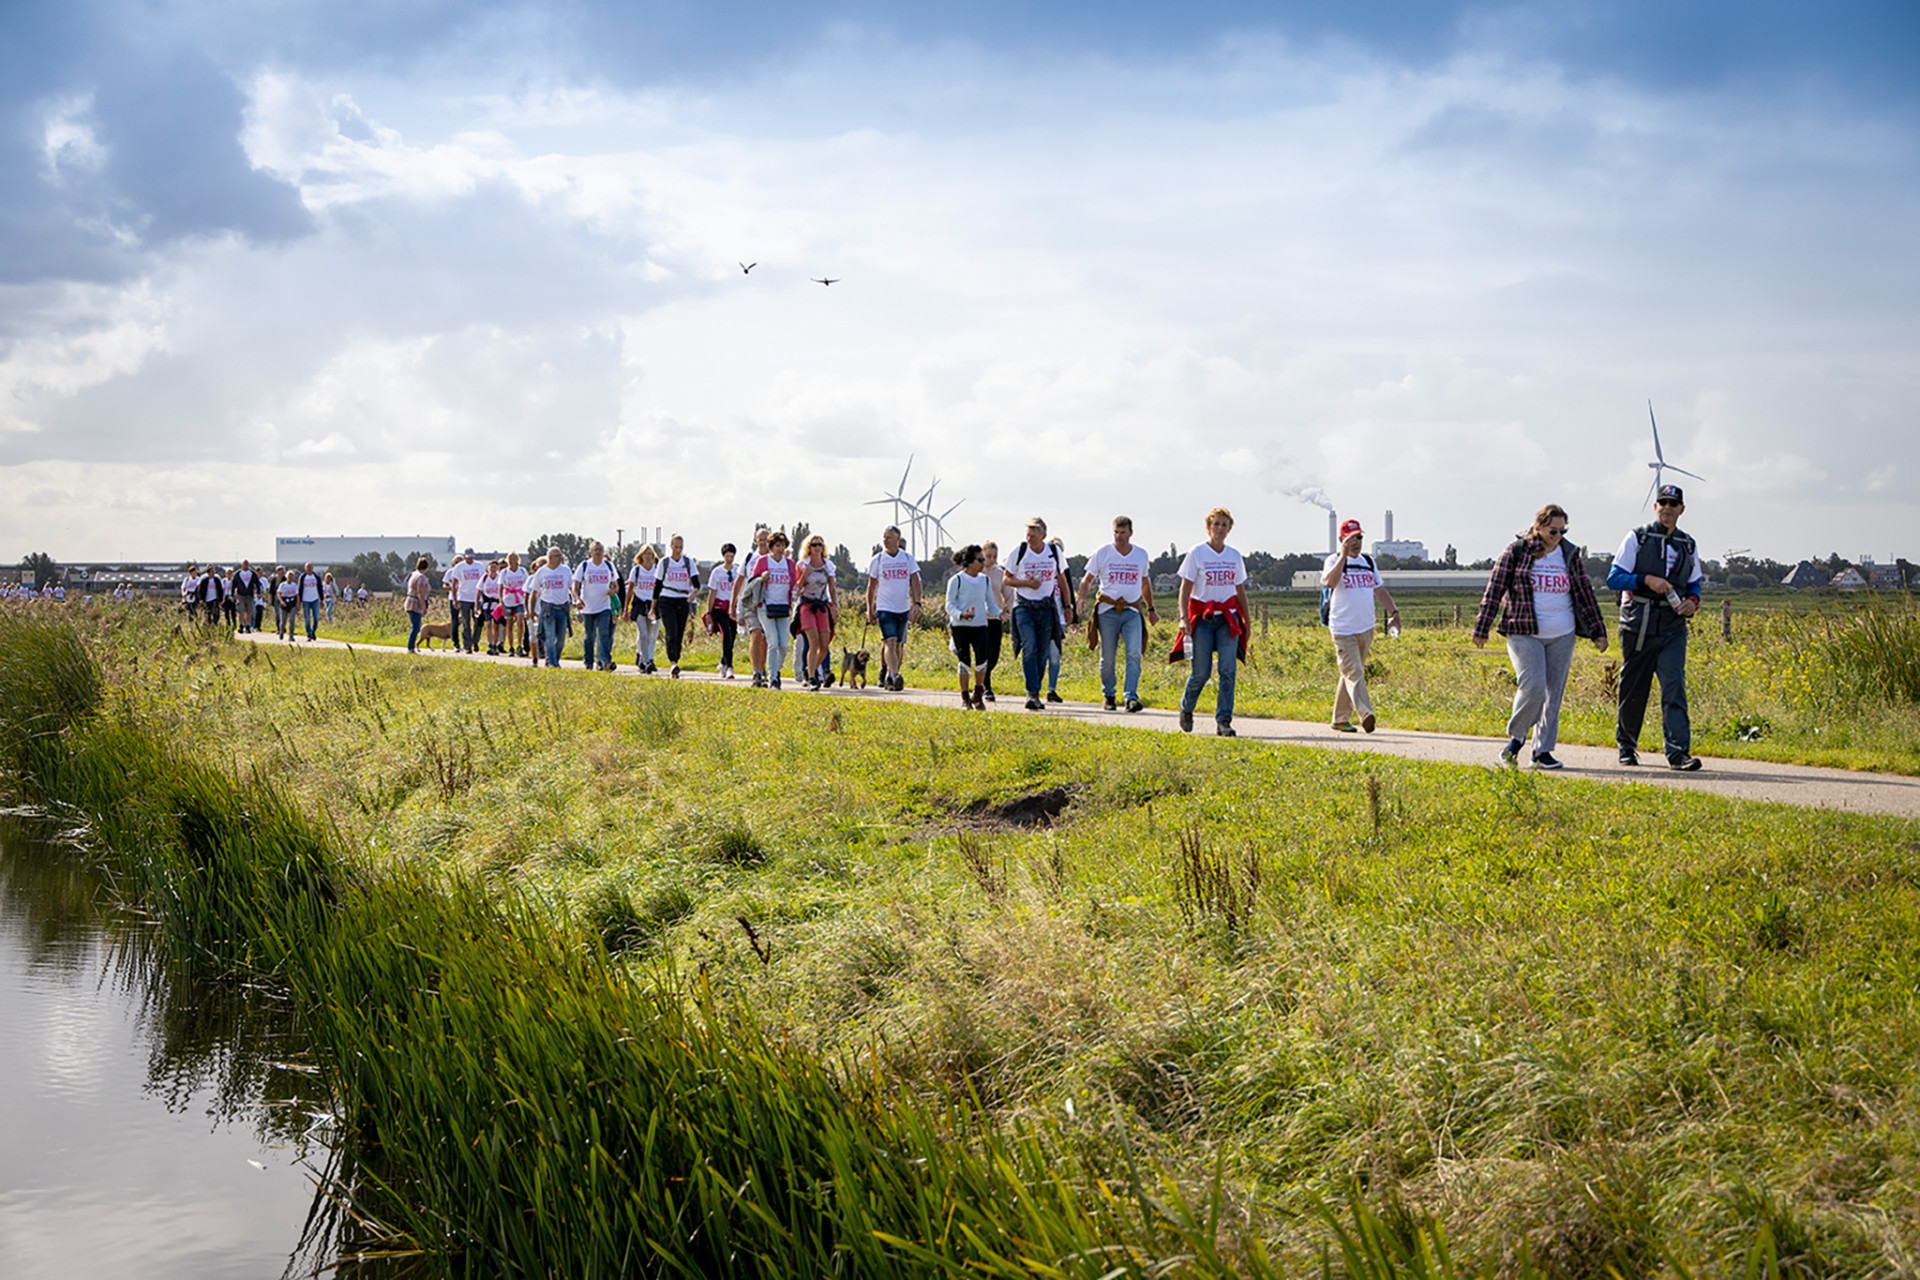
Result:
<point x="431" y="631"/>
<point x="853" y="668"/>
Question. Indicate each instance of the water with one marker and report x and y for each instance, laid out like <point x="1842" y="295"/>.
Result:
<point x="150" y="1125"/>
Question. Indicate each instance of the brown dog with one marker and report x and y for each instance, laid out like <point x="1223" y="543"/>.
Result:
<point x="431" y="631"/>
<point x="853" y="668"/>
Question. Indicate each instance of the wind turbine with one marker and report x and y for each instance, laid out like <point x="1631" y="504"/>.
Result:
<point x="1660" y="465"/>
<point x="923" y="530"/>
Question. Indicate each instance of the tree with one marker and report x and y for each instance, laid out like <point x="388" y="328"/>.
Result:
<point x="846" y="574"/>
<point x="372" y="570"/>
<point x="573" y="546"/>
<point x="41" y="565"/>
<point x="1452" y="557"/>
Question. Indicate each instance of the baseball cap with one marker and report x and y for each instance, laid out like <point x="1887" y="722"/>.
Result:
<point x="1671" y="493"/>
<point x="1348" y="528"/>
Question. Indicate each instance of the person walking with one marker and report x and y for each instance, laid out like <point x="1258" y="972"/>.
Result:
<point x="1657" y="573"/>
<point x="327" y="593"/>
<point x="189" y="592"/>
<point x="1117" y="575"/>
<point x="419" y="600"/>
<point x="1354" y="588"/>
<point x="467" y="577"/>
<point x="642" y="584"/>
<point x="211" y="594"/>
<point x="1545" y="602"/>
<point x="1037" y="578"/>
<point x="552" y="585"/>
<point x="750" y="612"/>
<point x="996" y="575"/>
<point x="310" y="593"/>
<point x="245" y="585"/>
<point x="819" y="611"/>
<point x="893" y="602"/>
<point x="970" y="604"/>
<point x="678" y="582"/>
<point x="1213" y="609"/>
<point x="721" y="580"/>
<point x="286" y="604"/>
<point x="595" y="582"/>
<point x="513" y="601"/>
<point x="777" y="577"/>
<point x="1067" y="618"/>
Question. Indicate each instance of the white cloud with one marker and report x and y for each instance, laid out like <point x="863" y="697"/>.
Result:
<point x="1071" y="287"/>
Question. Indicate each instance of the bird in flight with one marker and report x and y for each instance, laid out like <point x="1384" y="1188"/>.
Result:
<point x="745" y="267"/>
<point x="818" y="280"/>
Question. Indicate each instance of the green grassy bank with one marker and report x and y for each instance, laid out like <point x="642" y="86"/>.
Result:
<point x="595" y="962"/>
<point x="1833" y="682"/>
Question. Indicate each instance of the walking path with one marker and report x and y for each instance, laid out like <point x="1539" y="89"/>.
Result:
<point x="1893" y="795"/>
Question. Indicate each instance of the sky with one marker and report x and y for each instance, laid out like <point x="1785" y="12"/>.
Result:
<point x="471" y="269"/>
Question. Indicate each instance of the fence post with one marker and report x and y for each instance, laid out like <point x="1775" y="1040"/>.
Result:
<point x="1456" y="615"/>
<point x="1266" y="611"/>
<point x="1726" y="619"/>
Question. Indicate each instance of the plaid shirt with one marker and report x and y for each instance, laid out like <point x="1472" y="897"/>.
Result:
<point x="1512" y="584"/>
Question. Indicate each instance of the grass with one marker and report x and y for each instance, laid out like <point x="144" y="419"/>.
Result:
<point x="1807" y="678"/>
<point x="1577" y="1026"/>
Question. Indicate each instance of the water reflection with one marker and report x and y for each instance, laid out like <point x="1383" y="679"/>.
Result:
<point x="153" y="1123"/>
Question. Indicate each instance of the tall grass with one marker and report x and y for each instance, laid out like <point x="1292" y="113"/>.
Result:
<point x="1877" y="650"/>
<point x="515" y="1103"/>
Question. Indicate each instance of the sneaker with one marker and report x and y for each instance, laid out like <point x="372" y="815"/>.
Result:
<point x="1684" y="763"/>
<point x="1033" y="704"/>
<point x="989" y="697"/>
<point x="899" y="683"/>
<point x="1343" y="726"/>
<point x="1545" y="760"/>
<point x="759" y="679"/>
<point x="1110" y="705"/>
<point x="1222" y="729"/>
<point x="1510" y="755"/>
<point x="1366" y="722"/>
<point x="676" y="666"/>
<point x="773" y="682"/>
<point x="1629" y="757"/>
<point x="1054" y="697"/>
<point x="1133" y="704"/>
<point x="1186" y="720"/>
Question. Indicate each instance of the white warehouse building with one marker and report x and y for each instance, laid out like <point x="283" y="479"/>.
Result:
<point x="342" y="550"/>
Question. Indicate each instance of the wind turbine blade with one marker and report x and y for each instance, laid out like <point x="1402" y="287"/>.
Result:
<point x="1683" y="471"/>
<point x="950" y="510"/>
<point x="1651" y="490"/>
<point x="1656" y="433"/>
<point x="902" y="486"/>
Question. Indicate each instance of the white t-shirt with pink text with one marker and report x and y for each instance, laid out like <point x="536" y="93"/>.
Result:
<point x="1215" y="575"/>
<point x="1552" y="595"/>
<point x="1119" y="576"/>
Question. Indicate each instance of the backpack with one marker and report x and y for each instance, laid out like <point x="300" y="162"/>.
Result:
<point x="1326" y="593"/>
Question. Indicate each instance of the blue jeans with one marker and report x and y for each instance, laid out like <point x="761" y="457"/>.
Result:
<point x="598" y="642"/>
<point x="413" y="636"/>
<point x="1663" y="654"/>
<point x="1212" y="636"/>
<point x="312" y="610"/>
<point x="555" y="622"/>
<point x="779" y="641"/>
<point x="643" y="639"/>
<point x="1033" y="622"/>
<point x="1121" y="627"/>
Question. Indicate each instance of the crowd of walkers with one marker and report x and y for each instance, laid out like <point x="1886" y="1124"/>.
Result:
<point x="788" y="604"/>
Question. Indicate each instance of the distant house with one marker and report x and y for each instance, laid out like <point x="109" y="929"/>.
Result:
<point x="1167" y="583"/>
<point x="1848" y="580"/>
<point x="1886" y="577"/>
<point x="1806" y="574"/>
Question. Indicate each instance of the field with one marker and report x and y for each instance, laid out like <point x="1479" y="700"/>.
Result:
<point x="1785" y="687"/>
<point x="1575" y="1026"/>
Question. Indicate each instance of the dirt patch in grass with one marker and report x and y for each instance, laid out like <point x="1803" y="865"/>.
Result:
<point x="1034" y="809"/>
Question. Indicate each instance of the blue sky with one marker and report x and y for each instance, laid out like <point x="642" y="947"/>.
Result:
<point x="470" y="269"/>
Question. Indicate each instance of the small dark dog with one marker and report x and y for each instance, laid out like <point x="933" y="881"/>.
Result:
<point x="853" y="668"/>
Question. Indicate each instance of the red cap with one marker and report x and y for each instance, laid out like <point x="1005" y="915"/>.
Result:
<point x="1348" y="529"/>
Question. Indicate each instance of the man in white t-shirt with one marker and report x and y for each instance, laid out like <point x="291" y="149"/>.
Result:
<point x="467" y="577"/>
<point x="310" y="592"/>
<point x="1213" y="609"/>
<point x="552" y="586"/>
<point x="893" y="601"/>
<point x="1355" y="586"/>
<point x="1119" y="573"/>
<point x="513" y="601"/>
<point x="1038" y="579"/>
<point x="594" y="584"/>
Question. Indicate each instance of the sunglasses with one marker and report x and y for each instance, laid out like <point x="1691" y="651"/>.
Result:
<point x="1668" y="502"/>
<point x="1556" y="530"/>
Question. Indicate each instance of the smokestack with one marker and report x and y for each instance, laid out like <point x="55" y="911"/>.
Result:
<point x="1333" y="531"/>
<point x="1389" y="537"/>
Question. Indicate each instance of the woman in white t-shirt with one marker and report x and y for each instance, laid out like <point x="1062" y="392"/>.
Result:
<point x="513" y="601"/>
<point x="1213" y="611"/>
<point x="1545" y="601"/>
<point x="996" y="575"/>
<point x="642" y="581"/>
<point x="970" y="607"/>
<point x="720" y="583"/>
<point x="1354" y="587"/>
<point x="777" y="577"/>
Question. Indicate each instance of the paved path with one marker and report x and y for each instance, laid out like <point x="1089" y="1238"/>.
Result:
<point x="1890" y="794"/>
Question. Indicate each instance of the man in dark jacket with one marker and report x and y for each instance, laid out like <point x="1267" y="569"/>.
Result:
<point x="1657" y="572"/>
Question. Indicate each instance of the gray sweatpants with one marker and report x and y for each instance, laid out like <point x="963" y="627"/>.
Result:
<point x="1540" y="672"/>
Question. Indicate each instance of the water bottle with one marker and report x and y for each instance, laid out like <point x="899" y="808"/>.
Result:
<point x="1674" y="598"/>
<point x="1393" y="628"/>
